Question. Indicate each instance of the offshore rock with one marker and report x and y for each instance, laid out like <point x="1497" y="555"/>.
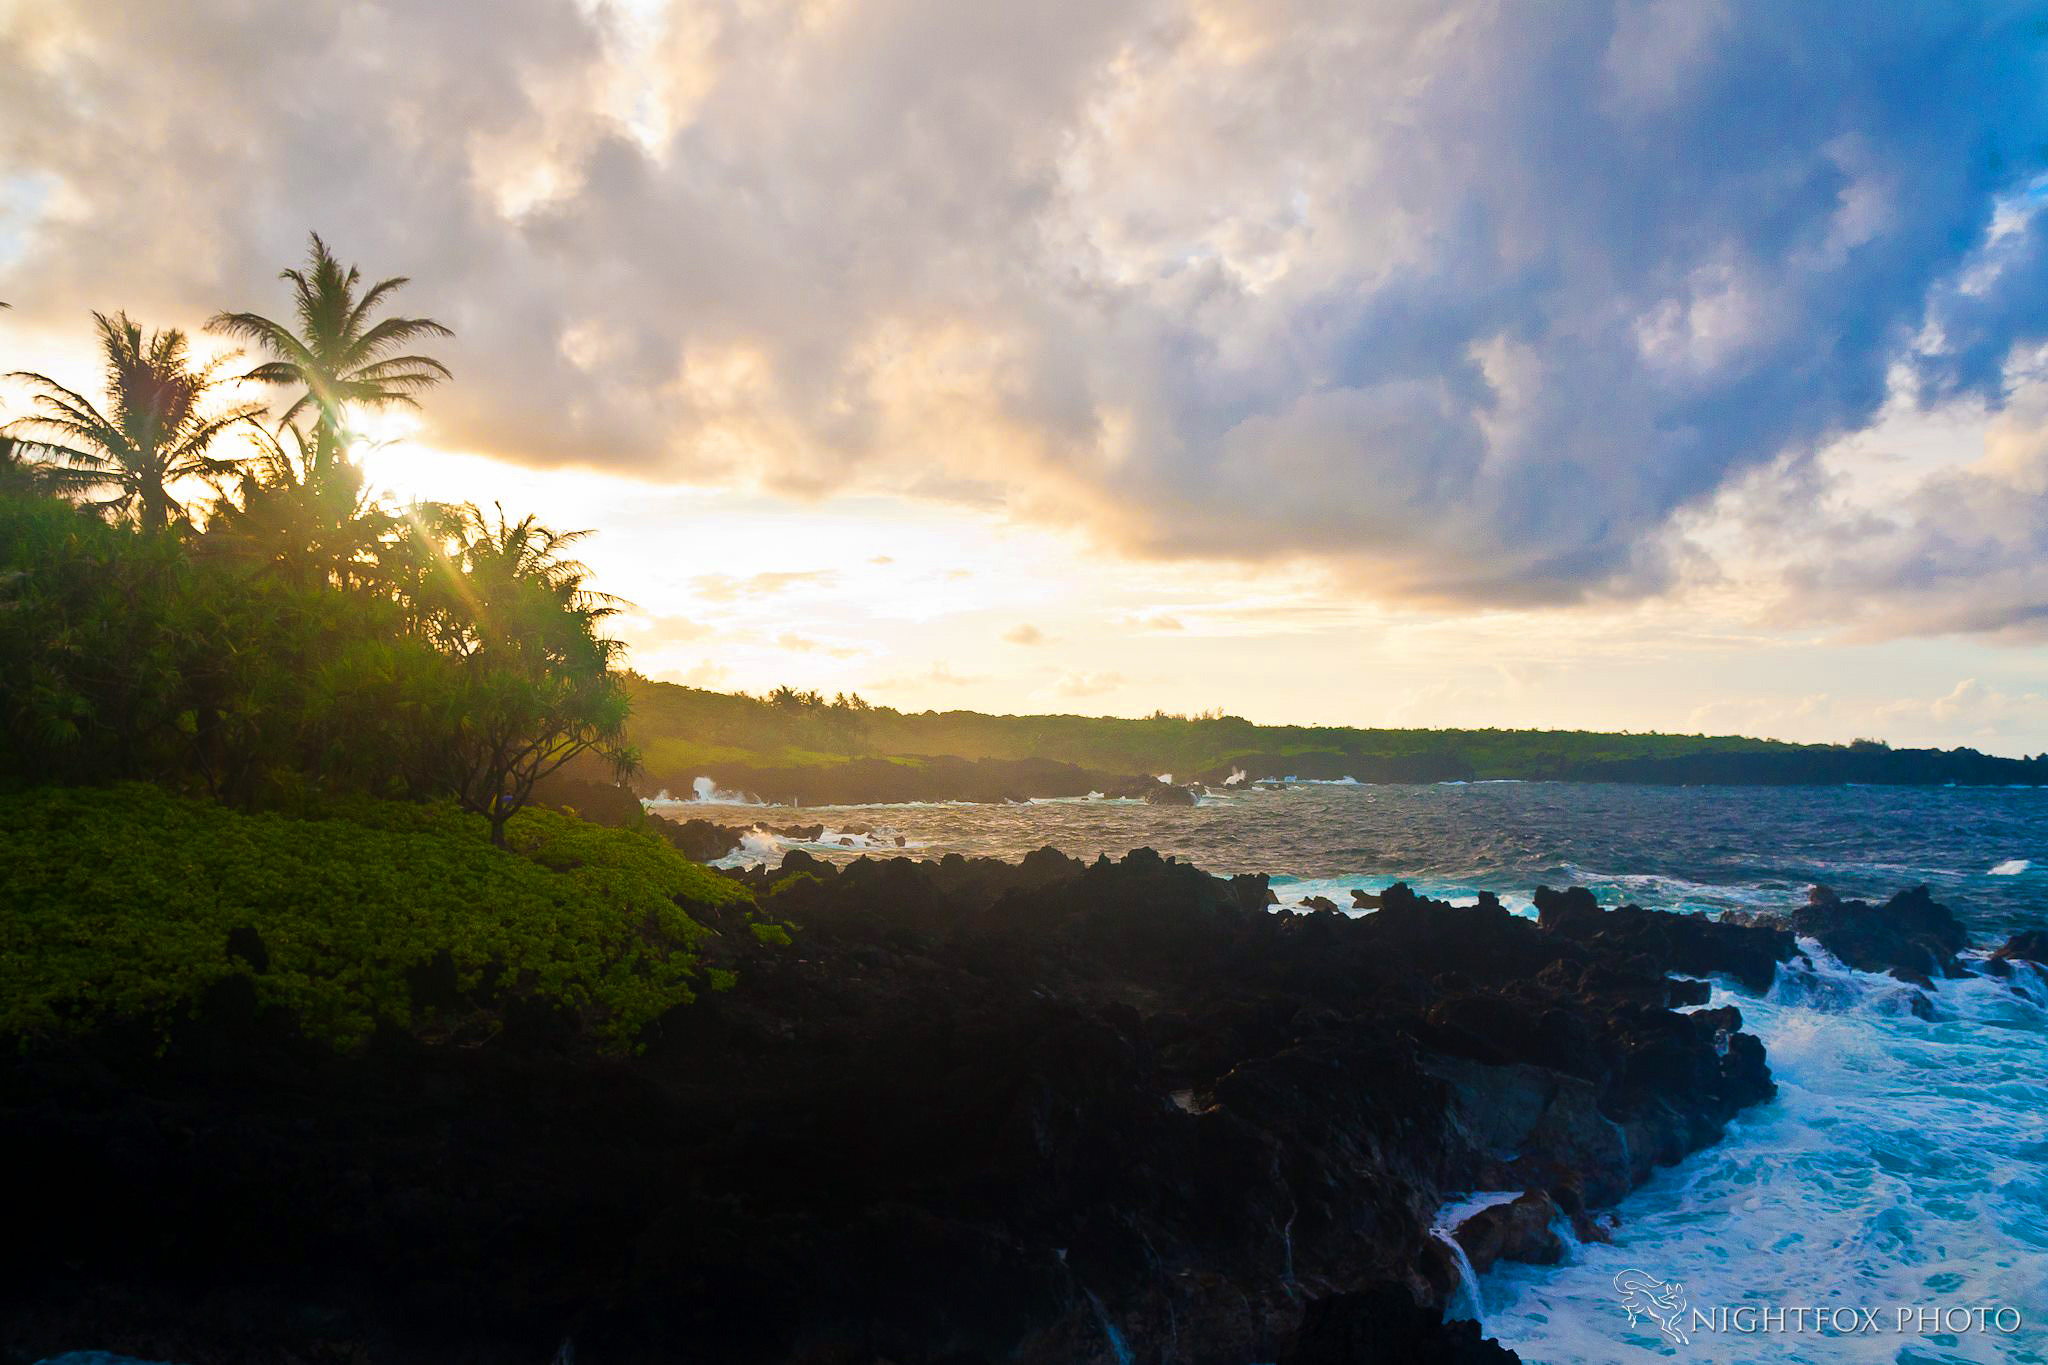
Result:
<point x="696" y="838"/>
<point x="1523" y="1229"/>
<point x="2028" y="945"/>
<point x="1912" y="936"/>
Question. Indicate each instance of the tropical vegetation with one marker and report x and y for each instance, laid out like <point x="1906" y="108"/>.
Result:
<point x="156" y="430"/>
<point x="681" y="733"/>
<point x="337" y="355"/>
<point x="259" y="721"/>
<point x="197" y="596"/>
<point x="121" y="899"/>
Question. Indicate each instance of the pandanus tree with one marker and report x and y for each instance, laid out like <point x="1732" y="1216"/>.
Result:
<point x="154" y="432"/>
<point x="337" y="351"/>
<point x="513" y="677"/>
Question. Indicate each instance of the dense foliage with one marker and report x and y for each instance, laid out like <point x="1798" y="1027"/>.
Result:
<point x="156" y="430"/>
<point x="121" y="903"/>
<point x="676" y="727"/>
<point x="292" y="634"/>
<point x="682" y="732"/>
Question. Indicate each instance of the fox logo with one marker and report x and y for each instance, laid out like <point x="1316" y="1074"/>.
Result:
<point x="1643" y="1295"/>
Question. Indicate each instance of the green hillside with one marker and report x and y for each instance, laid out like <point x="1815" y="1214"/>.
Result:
<point x="684" y="732"/>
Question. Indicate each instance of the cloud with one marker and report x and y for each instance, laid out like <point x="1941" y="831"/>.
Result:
<point x="1958" y="549"/>
<point x="1469" y="300"/>
<point x="724" y="588"/>
<point x="649" y="632"/>
<point x="939" y="673"/>
<point x="1026" y="634"/>
<point x="804" y="644"/>
<point x="1967" y="696"/>
<point x="705" y="675"/>
<point x="1087" y="683"/>
<point x="1970" y="712"/>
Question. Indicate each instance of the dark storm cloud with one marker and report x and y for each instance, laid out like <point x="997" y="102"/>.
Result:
<point x="1471" y="299"/>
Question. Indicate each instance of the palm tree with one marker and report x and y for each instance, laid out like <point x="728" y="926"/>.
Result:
<point x="474" y="580"/>
<point x="155" y="431"/>
<point x="336" y="353"/>
<point x="310" y="527"/>
<point x="21" y="471"/>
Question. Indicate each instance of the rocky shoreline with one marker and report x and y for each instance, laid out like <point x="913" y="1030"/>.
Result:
<point x="863" y="782"/>
<point x="868" y="781"/>
<point x="974" y="1111"/>
<point x="872" y="781"/>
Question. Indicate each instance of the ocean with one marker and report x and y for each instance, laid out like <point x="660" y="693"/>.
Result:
<point x="1902" y="1171"/>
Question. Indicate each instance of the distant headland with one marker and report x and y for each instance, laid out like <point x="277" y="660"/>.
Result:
<point x="801" y="747"/>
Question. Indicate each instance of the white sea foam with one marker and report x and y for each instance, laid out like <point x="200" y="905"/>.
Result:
<point x="2011" y="867"/>
<point x="1091" y="799"/>
<point x="703" y="792"/>
<point x="759" y="845"/>
<point x="1901" y="1165"/>
<point x="1465" y="1301"/>
<point x="1294" y="892"/>
<point x="1665" y="892"/>
<point x="1457" y="1208"/>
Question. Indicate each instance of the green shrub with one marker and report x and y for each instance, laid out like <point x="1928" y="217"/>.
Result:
<point x="119" y="902"/>
<point x="775" y="935"/>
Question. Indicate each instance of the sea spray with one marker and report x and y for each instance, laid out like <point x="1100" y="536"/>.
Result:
<point x="1464" y="1302"/>
<point x="1901" y="1169"/>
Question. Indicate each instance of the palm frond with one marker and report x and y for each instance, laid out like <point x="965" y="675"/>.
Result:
<point x="339" y="361"/>
<point x="392" y="332"/>
<point x="373" y="296"/>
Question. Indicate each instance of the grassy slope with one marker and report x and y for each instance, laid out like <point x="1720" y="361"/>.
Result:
<point x="119" y="902"/>
<point x="680" y="728"/>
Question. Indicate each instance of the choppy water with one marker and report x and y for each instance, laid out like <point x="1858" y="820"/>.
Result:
<point x="1904" y="1164"/>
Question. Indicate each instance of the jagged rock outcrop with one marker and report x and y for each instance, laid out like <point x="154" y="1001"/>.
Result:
<point x="1691" y="944"/>
<point x="698" y="839"/>
<point x="601" y="803"/>
<point x="1912" y="936"/>
<point x="1041" y="1111"/>
<point x="1523" y="1229"/>
<point x="2028" y="945"/>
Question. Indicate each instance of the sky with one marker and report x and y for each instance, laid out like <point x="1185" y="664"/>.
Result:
<point x="1676" y="366"/>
